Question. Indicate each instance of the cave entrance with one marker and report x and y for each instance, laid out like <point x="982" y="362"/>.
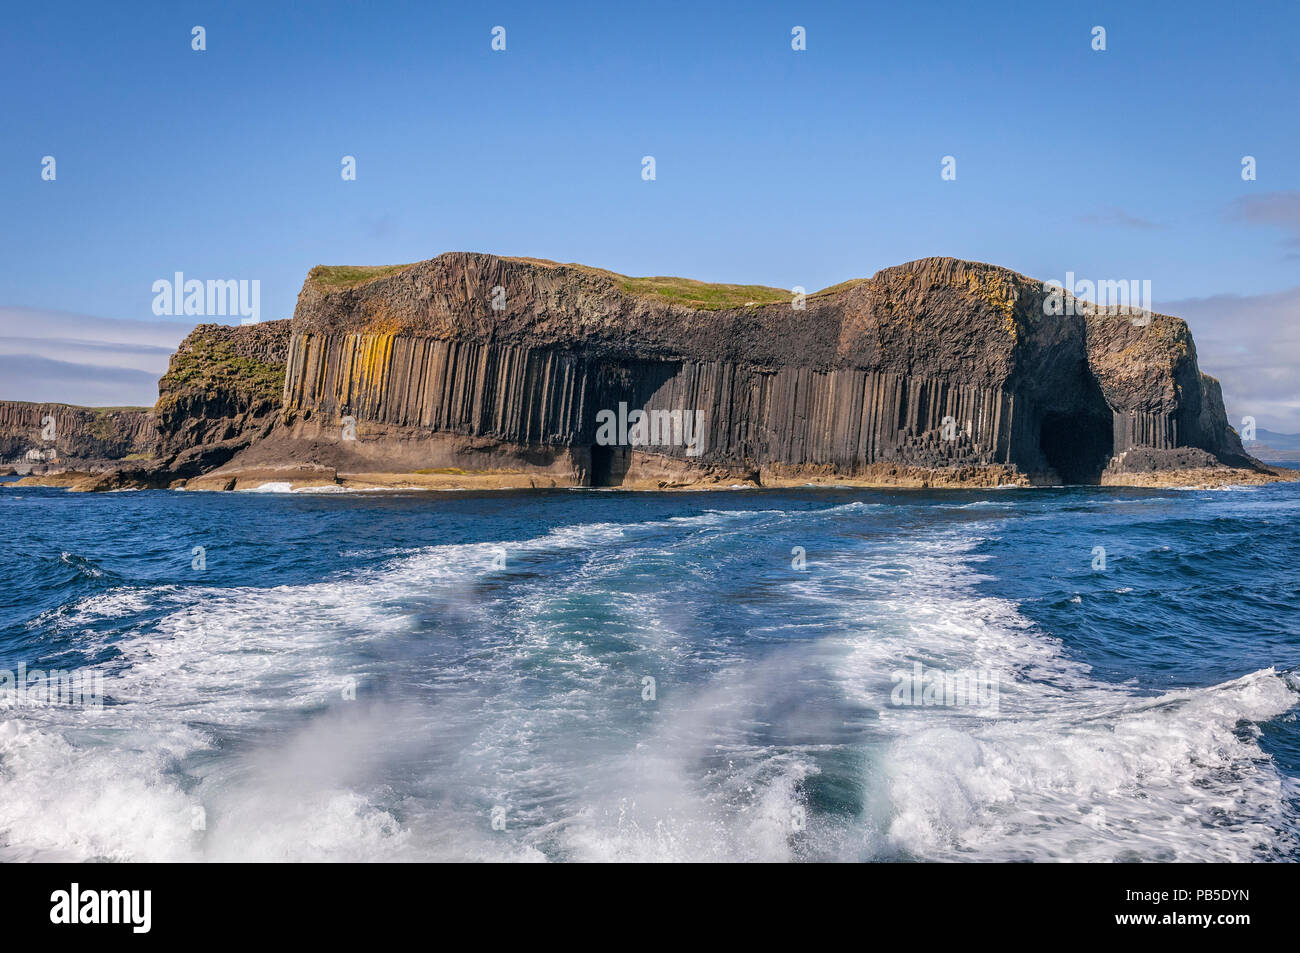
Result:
<point x="607" y="466"/>
<point x="1077" y="446"/>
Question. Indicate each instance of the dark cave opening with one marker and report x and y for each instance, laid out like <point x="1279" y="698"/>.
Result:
<point x="608" y="465"/>
<point x="1077" y="446"/>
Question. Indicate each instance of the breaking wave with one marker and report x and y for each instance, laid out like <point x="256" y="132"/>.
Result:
<point x="663" y="688"/>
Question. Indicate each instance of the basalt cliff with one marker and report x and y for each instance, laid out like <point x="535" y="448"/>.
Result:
<point x="476" y="370"/>
<point x="45" y="435"/>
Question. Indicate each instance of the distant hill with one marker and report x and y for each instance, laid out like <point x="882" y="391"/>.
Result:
<point x="1273" y="447"/>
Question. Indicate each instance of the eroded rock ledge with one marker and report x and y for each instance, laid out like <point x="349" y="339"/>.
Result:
<point x="475" y="370"/>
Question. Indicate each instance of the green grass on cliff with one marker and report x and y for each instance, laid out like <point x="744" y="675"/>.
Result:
<point x="209" y="363"/>
<point x="100" y="426"/>
<point x="338" y="277"/>
<point x="842" y="286"/>
<point x="702" y="295"/>
<point x="706" y="296"/>
<point x="715" y="297"/>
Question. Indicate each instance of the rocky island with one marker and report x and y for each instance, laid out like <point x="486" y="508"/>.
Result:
<point x="472" y="370"/>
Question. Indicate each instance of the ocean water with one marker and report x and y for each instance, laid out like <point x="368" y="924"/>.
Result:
<point x="466" y="676"/>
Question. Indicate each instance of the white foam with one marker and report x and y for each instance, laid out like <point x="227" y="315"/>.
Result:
<point x="1069" y="767"/>
<point x="231" y="700"/>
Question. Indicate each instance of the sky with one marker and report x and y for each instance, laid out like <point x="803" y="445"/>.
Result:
<point x="772" y="166"/>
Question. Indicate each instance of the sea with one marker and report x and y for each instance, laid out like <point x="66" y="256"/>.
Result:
<point x="812" y="674"/>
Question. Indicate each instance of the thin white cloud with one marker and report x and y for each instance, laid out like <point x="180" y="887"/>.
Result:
<point x="1251" y="343"/>
<point x="71" y="358"/>
<point x="1279" y="210"/>
<point x="41" y="380"/>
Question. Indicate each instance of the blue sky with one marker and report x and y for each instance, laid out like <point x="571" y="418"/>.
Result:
<point x="773" y="166"/>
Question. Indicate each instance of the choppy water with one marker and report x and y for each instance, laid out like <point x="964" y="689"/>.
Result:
<point x="1146" y="711"/>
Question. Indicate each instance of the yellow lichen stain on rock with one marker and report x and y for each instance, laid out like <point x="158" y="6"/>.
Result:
<point x="999" y="291"/>
<point x="379" y="319"/>
<point x="370" y="376"/>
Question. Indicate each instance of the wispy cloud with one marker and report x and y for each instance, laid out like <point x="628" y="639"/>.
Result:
<point x="1279" y="210"/>
<point x="42" y="380"/>
<point x="1252" y="344"/>
<point x="82" y="359"/>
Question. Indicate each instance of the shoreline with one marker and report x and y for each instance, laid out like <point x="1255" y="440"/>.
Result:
<point x="322" y="480"/>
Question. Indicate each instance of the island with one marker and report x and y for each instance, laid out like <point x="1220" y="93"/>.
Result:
<point x="477" y="371"/>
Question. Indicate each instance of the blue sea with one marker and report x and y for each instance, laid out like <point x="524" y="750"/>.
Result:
<point x="588" y="675"/>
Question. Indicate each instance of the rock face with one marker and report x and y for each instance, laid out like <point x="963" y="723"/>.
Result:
<point x="223" y="384"/>
<point x="938" y="363"/>
<point x="221" y="393"/>
<point x="936" y="372"/>
<point x="43" y="435"/>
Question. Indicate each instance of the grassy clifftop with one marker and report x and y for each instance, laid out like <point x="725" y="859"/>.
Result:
<point x="249" y="360"/>
<point x="339" y="277"/>
<point x="209" y="363"/>
<point x="702" y="295"/>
